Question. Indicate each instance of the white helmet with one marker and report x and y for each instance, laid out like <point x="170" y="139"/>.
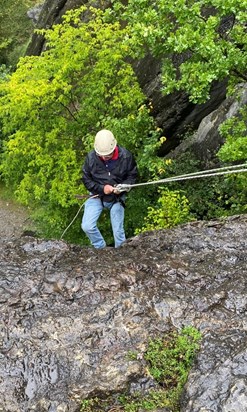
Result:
<point x="104" y="142"/>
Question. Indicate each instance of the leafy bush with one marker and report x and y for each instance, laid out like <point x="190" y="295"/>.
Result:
<point x="170" y="358"/>
<point x="235" y="132"/>
<point x="53" y="105"/>
<point x="172" y="209"/>
<point x="210" y="197"/>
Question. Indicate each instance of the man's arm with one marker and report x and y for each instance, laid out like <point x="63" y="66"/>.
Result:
<point x="132" y="171"/>
<point x="88" y="181"/>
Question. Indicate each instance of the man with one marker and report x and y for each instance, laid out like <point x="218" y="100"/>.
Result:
<point x="105" y="167"/>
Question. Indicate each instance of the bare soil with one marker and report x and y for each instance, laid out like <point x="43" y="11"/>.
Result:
<point x="14" y="219"/>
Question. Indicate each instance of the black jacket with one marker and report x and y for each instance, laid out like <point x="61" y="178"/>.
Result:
<point x="96" y="176"/>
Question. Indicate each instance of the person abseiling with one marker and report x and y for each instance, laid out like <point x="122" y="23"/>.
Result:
<point x="105" y="167"/>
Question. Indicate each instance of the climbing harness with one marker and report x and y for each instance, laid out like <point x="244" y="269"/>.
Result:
<point x="196" y="175"/>
<point x="205" y="173"/>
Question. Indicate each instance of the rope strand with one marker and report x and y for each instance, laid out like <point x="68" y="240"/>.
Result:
<point x="74" y="218"/>
<point x="206" y="173"/>
<point x="196" y="175"/>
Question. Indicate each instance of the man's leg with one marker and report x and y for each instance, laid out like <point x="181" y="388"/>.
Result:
<point x="92" y="212"/>
<point x="117" y="223"/>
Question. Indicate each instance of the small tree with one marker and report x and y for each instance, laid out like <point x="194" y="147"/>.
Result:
<point x="53" y="105"/>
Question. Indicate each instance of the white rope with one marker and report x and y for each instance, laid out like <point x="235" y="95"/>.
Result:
<point x="176" y="179"/>
<point x="205" y="173"/>
<point x="196" y="175"/>
<point x="74" y="218"/>
<point x="219" y="169"/>
<point x="72" y="221"/>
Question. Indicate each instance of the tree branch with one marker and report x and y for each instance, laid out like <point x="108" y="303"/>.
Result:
<point x="70" y="112"/>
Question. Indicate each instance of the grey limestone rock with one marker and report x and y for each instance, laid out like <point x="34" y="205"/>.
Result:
<point x="70" y="316"/>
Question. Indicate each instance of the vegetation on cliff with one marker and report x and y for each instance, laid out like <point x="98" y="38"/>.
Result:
<point x="53" y="104"/>
<point x="168" y="362"/>
<point x="15" y="30"/>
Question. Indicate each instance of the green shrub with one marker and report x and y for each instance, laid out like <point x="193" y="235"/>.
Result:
<point x="172" y="209"/>
<point x="171" y="357"/>
<point x="235" y="133"/>
<point x="53" y="105"/>
<point x="210" y="197"/>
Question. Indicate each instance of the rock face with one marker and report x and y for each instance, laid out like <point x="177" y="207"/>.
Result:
<point x="174" y="114"/>
<point x="34" y="13"/>
<point x="51" y="13"/>
<point x="70" y="316"/>
<point x="206" y="141"/>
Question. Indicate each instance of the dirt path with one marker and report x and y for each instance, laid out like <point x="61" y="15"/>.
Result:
<point x="14" y="219"/>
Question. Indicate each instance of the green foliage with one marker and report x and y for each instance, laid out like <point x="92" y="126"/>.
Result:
<point x="210" y="197"/>
<point x="234" y="194"/>
<point x="15" y="29"/>
<point x="139" y="200"/>
<point x="53" y="105"/>
<point x="235" y="133"/>
<point x="4" y="72"/>
<point x="172" y="209"/>
<point x="169" y="360"/>
<point x="51" y="222"/>
<point x="199" y="41"/>
<point x="88" y="404"/>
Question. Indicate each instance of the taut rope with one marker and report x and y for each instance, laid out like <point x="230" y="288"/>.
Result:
<point x="196" y="175"/>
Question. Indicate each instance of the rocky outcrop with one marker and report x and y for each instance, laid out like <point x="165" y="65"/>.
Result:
<point x="174" y="113"/>
<point x="51" y="13"/>
<point x="48" y="15"/>
<point x="34" y="13"/>
<point x="70" y="316"/>
<point x="206" y="141"/>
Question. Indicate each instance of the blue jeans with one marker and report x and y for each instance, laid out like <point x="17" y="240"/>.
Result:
<point x="92" y="210"/>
